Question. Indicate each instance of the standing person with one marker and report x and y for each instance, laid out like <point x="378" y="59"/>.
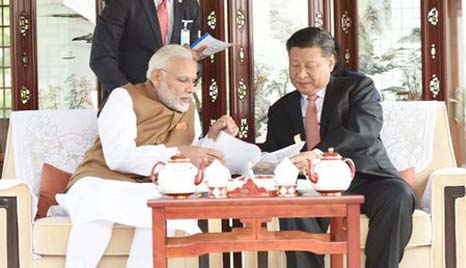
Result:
<point x="128" y="32"/>
<point x="138" y="126"/>
<point x="341" y="112"/>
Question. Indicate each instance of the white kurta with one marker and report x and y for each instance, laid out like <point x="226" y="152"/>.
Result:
<point x="96" y="200"/>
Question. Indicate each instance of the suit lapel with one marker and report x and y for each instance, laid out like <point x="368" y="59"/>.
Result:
<point x="177" y="17"/>
<point x="295" y="114"/>
<point x="329" y="104"/>
<point x="151" y="14"/>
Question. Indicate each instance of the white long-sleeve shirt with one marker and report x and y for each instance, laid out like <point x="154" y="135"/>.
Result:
<point x="118" y="130"/>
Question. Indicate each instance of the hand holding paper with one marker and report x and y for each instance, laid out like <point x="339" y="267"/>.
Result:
<point x="238" y="154"/>
<point x="212" y="45"/>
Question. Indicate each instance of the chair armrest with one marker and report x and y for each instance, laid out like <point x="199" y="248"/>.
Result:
<point x="448" y="212"/>
<point x="15" y="224"/>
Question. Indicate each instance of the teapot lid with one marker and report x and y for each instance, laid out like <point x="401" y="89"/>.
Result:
<point x="331" y="155"/>
<point x="179" y="158"/>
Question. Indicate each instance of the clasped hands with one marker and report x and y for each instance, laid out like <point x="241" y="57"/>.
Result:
<point x="199" y="154"/>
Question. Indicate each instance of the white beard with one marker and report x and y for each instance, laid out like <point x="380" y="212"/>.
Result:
<point x="171" y="100"/>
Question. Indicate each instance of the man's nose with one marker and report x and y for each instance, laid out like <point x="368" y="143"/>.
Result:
<point x="301" y="73"/>
<point x="190" y="87"/>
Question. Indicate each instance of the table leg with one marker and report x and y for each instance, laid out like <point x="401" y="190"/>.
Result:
<point x="159" y="237"/>
<point x="354" y="247"/>
<point x="336" y="231"/>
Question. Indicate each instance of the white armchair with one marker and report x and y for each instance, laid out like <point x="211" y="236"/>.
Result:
<point x="417" y="134"/>
<point x="59" y="138"/>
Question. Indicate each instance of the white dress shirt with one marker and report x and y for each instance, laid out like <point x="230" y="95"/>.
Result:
<point x="117" y="131"/>
<point x="170" y="6"/>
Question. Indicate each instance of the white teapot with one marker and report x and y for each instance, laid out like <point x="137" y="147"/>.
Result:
<point x="178" y="177"/>
<point x="331" y="173"/>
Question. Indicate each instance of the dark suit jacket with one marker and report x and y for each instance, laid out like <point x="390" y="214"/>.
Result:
<point x="351" y="121"/>
<point x="128" y="33"/>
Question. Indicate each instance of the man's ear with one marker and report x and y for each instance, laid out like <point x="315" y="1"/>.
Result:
<point x="332" y="61"/>
<point x="156" y="77"/>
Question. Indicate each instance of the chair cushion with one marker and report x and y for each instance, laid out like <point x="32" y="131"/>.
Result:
<point x="50" y="237"/>
<point x="53" y="181"/>
<point x="422" y="233"/>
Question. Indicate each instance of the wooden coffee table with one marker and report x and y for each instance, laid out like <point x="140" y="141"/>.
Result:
<point x="343" y="238"/>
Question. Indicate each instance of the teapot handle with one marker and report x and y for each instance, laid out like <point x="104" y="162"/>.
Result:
<point x="155" y="176"/>
<point x="200" y="174"/>
<point x="308" y="171"/>
<point x="352" y="166"/>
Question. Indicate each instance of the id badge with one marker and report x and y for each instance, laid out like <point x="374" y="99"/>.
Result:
<point x="185" y="37"/>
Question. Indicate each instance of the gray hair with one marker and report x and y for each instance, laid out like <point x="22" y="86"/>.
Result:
<point x="161" y="57"/>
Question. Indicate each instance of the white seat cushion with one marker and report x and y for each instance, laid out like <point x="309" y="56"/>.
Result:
<point x="50" y="237"/>
<point x="422" y="229"/>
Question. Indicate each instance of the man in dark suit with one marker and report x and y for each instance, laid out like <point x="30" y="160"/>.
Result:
<point x="348" y="117"/>
<point x="128" y="33"/>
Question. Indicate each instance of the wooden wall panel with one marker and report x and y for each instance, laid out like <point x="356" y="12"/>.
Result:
<point x="24" y="55"/>
<point x="319" y="14"/>
<point x="241" y="67"/>
<point x="346" y="31"/>
<point x="214" y="81"/>
<point x="433" y="49"/>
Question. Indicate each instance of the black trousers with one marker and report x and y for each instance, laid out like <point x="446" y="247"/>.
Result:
<point x="389" y="205"/>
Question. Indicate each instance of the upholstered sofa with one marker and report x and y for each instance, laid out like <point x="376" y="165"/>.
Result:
<point x="61" y="137"/>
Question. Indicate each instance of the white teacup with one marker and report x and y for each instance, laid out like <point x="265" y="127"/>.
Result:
<point x="217" y="176"/>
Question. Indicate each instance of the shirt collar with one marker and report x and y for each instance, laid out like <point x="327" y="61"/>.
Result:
<point x="320" y="93"/>
<point x="157" y="2"/>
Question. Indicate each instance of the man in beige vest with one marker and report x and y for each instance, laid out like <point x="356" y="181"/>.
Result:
<point x="138" y="126"/>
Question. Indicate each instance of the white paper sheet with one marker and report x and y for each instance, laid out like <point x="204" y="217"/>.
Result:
<point x="283" y="153"/>
<point x="239" y="154"/>
<point x="213" y="45"/>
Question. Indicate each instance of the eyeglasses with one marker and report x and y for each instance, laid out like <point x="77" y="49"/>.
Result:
<point x="184" y="81"/>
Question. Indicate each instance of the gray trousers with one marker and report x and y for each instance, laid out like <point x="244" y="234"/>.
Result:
<point x="389" y="205"/>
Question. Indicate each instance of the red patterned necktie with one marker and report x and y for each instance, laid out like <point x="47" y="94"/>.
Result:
<point x="311" y="125"/>
<point x="162" y="13"/>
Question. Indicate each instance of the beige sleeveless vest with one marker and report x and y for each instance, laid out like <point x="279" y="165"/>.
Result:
<point x="156" y="124"/>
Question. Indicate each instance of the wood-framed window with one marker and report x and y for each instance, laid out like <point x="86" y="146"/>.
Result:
<point x="5" y="74"/>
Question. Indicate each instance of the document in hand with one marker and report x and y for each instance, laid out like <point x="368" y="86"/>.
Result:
<point x="213" y="45"/>
<point x="238" y="154"/>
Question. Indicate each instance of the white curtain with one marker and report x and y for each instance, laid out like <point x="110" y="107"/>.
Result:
<point x="85" y="8"/>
